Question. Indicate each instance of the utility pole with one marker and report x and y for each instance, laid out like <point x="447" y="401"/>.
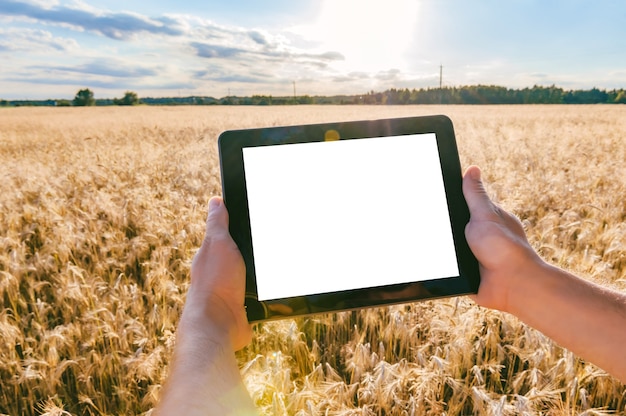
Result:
<point x="294" y="93"/>
<point x="440" y="83"/>
<point x="440" y="76"/>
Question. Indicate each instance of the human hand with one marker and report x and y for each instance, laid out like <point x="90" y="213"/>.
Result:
<point x="204" y="378"/>
<point x="215" y="301"/>
<point x="499" y="242"/>
<point x="583" y="316"/>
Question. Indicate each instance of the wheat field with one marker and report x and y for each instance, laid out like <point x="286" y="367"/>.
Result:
<point x="102" y="209"/>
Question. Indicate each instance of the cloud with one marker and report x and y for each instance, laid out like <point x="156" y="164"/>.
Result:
<point x="110" y="68"/>
<point x="258" y="37"/>
<point x="100" y="83"/>
<point x="617" y="74"/>
<point x="250" y="57"/>
<point x="110" y="74"/>
<point x="205" y="50"/>
<point x="209" y="50"/>
<point x="46" y="4"/>
<point x="333" y="56"/>
<point x="23" y="39"/>
<point x="115" y="25"/>
<point x="343" y="78"/>
<point x="358" y="75"/>
<point x="352" y="76"/>
<point x="388" y="75"/>
<point x="241" y="55"/>
<point x="222" y="74"/>
<point x="238" y="78"/>
<point x="172" y="48"/>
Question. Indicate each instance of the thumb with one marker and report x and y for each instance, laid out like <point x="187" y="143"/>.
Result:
<point x="214" y="237"/>
<point x="217" y="220"/>
<point x="475" y="194"/>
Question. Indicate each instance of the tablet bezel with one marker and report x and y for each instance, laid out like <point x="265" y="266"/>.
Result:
<point x="231" y="144"/>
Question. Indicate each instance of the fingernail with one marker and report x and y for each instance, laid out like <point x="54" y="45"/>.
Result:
<point x="214" y="203"/>
<point x="476" y="174"/>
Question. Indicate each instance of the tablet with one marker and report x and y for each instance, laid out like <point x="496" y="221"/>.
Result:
<point x="347" y="215"/>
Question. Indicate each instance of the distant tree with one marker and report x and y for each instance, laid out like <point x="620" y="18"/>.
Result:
<point x="84" y="97"/>
<point x="592" y="96"/>
<point x="305" y="99"/>
<point x="621" y="97"/>
<point x="596" y="96"/>
<point x="130" y="98"/>
<point x="62" y="103"/>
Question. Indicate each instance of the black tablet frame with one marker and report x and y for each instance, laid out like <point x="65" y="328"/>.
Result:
<point x="231" y="144"/>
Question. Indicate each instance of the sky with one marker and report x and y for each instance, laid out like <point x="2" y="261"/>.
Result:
<point x="165" y="48"/>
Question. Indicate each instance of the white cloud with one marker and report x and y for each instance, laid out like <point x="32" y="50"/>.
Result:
<point x="115" y="25"/>
<point x="44" y="4"/>
<point x="352" y="46"/>
<point x="202" y="50"/>
<point x="34" y="40"/>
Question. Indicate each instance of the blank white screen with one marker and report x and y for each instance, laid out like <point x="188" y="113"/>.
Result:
<point x="330" y="216"/>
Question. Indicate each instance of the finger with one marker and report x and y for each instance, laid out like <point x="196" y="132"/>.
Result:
<point x="475" y="194"/>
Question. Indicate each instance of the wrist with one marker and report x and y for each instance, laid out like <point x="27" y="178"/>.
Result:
<point x="208" y="318"/>
<point x="531" y="288"/>
<point x="205" y="323"/>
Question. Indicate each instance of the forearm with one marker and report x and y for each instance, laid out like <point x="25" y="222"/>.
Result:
<point x="204" y="380"/>
<point x="583" y="317"/>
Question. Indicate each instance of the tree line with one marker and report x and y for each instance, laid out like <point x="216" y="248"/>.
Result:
<point x="491" y="94"/>
<point x="473" y="94"/>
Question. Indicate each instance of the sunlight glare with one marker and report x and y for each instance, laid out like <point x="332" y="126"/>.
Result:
<point x="373" y="35"/>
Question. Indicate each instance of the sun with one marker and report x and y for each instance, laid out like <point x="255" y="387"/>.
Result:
<point x="372" y="35"/>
